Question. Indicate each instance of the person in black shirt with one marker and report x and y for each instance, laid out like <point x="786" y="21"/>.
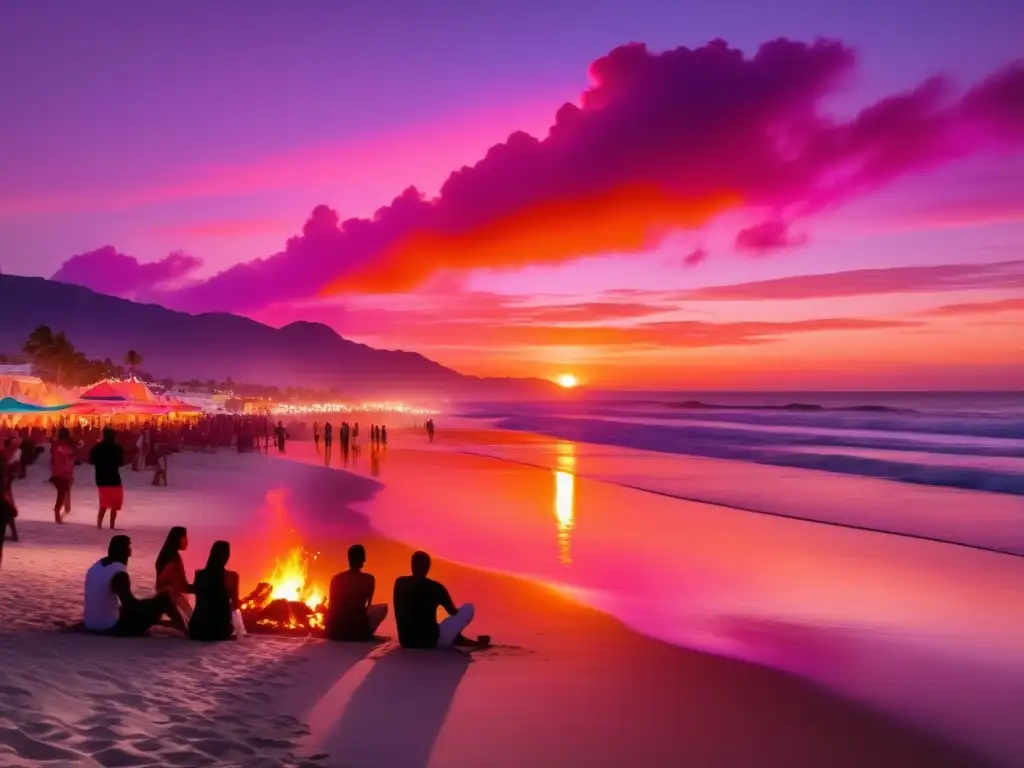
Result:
<point x="417" y="599"/>
<point x="108" y="458"/>
<point x="217" y="598"/>
<point x="351" y="614"/>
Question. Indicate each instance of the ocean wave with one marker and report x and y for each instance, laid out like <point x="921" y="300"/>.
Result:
<point x="769" y="448"/>
<point x="700" y="405"/>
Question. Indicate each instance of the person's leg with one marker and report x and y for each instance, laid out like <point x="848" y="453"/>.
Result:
<point x="99" y="517"/>
<point x="139" y="617"/>
<point x="14" y="529"/>
<point x="452" y="627"/>
<point x="375" y="615"/>
<point x="116" y="502"/>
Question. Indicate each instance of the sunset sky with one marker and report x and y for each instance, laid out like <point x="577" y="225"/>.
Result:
<point x="831" y="195"/>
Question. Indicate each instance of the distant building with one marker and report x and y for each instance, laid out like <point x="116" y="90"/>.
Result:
<point x="23" y="370"/>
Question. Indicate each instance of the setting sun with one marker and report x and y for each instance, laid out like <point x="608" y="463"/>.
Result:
<point x="567" y="380"/>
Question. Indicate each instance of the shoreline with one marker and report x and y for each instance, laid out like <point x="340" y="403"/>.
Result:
<point x="529" y="701"/>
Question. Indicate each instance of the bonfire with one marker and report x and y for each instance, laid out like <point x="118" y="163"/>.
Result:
<point x="288" y="601"/>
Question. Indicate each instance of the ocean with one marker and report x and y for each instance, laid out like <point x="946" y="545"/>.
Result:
<point x="968" y="440"/>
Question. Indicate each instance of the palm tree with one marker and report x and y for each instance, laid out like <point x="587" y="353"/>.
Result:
<point x="38" y="344"/>
<point x="132" y="359"/>
<point x="61" y="358"/>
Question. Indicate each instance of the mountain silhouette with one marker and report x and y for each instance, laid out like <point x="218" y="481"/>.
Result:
<point x="218" y="345"/>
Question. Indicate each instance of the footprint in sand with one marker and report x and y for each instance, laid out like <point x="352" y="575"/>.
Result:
<point x="220" y="748"/>
<point x="186" y="759"/>
<point x="32" y="749"/>
<point x="115" y="757"/>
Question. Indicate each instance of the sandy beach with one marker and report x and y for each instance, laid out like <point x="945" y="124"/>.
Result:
<point x="567" y="684"/>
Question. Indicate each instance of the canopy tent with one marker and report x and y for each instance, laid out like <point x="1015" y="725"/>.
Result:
<point x="127" y="397"/>
<point x="10" y="405"/>
<point x="30" y="389"/>
<point x="130" y="390"/>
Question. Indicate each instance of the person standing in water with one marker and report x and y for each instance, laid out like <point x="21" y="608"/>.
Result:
<point x="281" y="435"/>
<point x="62" y="473"/>
<point x="108" y="457"/>
<point x="316" y="435"/>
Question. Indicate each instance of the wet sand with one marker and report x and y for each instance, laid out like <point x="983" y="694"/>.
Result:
<point x="567" y="684"/>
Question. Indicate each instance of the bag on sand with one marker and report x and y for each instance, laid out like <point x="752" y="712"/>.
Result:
<point x="239" y="625"/>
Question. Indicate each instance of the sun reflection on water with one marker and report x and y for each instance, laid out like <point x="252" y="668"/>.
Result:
<point x="565" y="500"/>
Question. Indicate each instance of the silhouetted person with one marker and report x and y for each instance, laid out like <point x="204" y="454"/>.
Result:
<point x="416" y="601"/>
<point x="316" y="434"/>
<point x="216" y="597"/>
<point x="62" y="473"/>
<point x="328" y="434"/>
<point x="281" y="435"/>
<point x="430" y="430"/>
<point x="351" y="614"/>
<point x="7" y="509"/>
<point x="110" y="606"/>
<point x="107" y="456"/>
<point x="383" y="435"/>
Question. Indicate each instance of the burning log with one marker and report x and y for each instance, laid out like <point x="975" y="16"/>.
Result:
<point x="262" y="613"/>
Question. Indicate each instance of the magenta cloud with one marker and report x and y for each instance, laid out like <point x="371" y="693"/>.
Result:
<point x="696" y="257"/>
<point x="767" y="236"/>
<point x="108" y="271"/>
<point x="694" y="124"/>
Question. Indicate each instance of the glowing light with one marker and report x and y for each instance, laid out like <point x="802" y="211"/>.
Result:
<point x="290" y="580"/>
<point x="565" y="500"/>
<point x="567" y="380"/>
<point x="318" y="408"/>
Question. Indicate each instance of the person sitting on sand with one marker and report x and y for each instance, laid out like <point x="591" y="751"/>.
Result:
<point x="107" y="456"/>
<point x="170" y="570"/>
<point x="417" y="599"/>
<point x="110" y="606"/>
<point x="216" y="591"/>
<point x="351" y="614"/>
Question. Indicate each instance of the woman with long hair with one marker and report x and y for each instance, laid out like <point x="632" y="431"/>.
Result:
<point x="216" y="591"/>
<point x="170" y="570"/>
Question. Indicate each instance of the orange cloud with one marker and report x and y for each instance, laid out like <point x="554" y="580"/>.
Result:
<point x="626" y="220"/>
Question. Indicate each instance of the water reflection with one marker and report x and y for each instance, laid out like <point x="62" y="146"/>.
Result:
<point x="565" y="499"/>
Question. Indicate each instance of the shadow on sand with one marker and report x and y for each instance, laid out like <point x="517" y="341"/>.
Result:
<point x="397" y="713"/>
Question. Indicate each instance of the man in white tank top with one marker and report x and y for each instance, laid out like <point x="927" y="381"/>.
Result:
<point x="110" y="606"/>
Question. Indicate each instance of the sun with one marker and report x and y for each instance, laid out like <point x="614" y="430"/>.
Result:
<point x="567" y="381"/>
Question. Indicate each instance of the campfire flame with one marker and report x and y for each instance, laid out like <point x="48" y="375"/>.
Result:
<point x="290" y="580"/>
<point x="287" y="599"/>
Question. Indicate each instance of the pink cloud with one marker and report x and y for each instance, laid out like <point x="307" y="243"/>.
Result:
<point x="224" y="228"/>
<point x="109" y="271"/>
<point x="768" y="236"/>
<point x="659" y="142"/>
<point x="869" y="282"/>
<point x="981" y="308"/>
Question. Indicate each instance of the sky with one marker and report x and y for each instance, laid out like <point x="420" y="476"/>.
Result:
<point x="797" y="194"/>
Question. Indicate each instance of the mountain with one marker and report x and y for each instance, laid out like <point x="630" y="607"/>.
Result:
<point x="218" y="345"/>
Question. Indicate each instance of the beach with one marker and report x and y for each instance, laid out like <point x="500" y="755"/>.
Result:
<point x="630" y="627"/>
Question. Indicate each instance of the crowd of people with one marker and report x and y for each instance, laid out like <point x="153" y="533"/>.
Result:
<point x="111" y="608"/>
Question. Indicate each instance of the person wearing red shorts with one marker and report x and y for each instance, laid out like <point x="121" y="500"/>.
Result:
<point x="107" y="457"/>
